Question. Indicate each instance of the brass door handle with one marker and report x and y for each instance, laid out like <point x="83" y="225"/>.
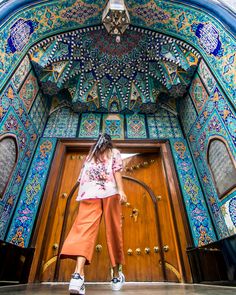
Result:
<point x="99" y="248"/>
<point x="135" y="213"/>
<point x="166" y="248"/>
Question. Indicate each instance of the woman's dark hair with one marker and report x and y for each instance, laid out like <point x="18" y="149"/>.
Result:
<point x="101" y="148"/>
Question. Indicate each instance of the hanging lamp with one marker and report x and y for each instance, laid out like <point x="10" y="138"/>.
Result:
<point x="116" y="18"/>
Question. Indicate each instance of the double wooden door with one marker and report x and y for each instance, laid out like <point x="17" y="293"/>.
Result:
<point x="150" y="246"/>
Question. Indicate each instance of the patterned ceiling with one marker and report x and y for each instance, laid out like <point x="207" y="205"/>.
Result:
<point x="178" y="19"/>
<point x="144" y="69"/>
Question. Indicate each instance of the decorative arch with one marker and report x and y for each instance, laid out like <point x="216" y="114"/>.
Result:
<point x="222" y="166"/>
<point x="8" y="160"/>
<point x="186" y="22"/>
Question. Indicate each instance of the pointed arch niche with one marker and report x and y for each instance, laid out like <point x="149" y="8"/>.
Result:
<point x="222" y="166"/>
<point x="8" y="159"/>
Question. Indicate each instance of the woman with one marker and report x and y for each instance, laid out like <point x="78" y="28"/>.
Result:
<point x="101" y="192"/>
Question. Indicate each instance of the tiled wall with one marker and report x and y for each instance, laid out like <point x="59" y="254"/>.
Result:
<point x="206" y="112"/>
<point x="201" y="226"/>
<point x="23" y="113"/>
<point x="30" y="198"/>
<point x="65" y="123"/>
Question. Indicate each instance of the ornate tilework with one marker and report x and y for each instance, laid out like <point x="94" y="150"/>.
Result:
<point x="15" y="120"/>
<point x="217" y="119"/>
<point x="187" y="112"/>
<point x="26" y="211"/>
<point x="232" y="210"/>
<point x="188" y="23"/>
<point x="62" y="123"/>
<point x="21" y="72"/>
<point x="19" y="35"/>
<point x="151" y="13"/>
<point x="39" y="112"/>
<point x="198" y="93"/>
<point x="105" y="76"/>
<point x="59" y="101"/>
<point x="115" y="103"/>
<point x="221" y="119"/>
<point x="163" y="125"/>
<point x="113" y="124"/>
<point x="84" y="10"/>
<point x="201" y="30"/>
<point x="200" y="222"/>
<point x="228" y="210"/>
<point x="208" y="38"/>
<point x="136" y="127"/>
<point x="29" y="90"/>
<point x="35" y="23"/>
<point x="206" y="76"/>
<point x="152" y="127"/>
<point x="90" y="125"/>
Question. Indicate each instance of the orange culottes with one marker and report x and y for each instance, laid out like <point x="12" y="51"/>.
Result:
<point x="83" y="234"/>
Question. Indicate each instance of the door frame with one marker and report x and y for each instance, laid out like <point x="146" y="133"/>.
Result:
<point x="47" y="210"/>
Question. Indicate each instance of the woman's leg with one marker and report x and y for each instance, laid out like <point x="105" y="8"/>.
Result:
<point x="115" y="271"/>
<point x="112" y="213"/>
<point x="80" y="265"/>
<point x="81" y="239"/>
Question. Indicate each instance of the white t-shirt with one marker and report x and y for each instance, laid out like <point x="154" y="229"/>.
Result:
<point x="97" y="179"/>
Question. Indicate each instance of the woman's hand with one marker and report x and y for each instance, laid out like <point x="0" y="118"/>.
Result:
<point x="118" y="177"/>
<point x="123" y="198"/>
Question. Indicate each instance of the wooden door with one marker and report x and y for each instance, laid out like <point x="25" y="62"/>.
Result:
<point x="154" y="229"/>
<point x="149" y="237"/>
<point x="63" y="206"/>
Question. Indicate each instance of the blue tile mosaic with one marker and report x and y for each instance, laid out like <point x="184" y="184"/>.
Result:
<point x="196" y="208"/>
<point x="62" y="123"/>
<point x="29" y="201"/>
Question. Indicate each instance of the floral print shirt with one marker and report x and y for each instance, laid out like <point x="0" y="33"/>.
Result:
<point x="97" y="179"/>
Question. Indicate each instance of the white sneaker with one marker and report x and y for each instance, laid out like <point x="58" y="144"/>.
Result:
<point x="117" y="283"/>
<point x="82" y="290"/>
<point x="77" y="284"/>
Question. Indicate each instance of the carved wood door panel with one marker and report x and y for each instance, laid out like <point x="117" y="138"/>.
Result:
<point x="153" y="228"/>
<point x="149" y="238"/>
<point x="59" y="225"/>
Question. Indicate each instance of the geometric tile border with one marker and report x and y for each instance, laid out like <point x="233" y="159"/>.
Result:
<point x="198" y="216"/>
<point x="29" y="201"/>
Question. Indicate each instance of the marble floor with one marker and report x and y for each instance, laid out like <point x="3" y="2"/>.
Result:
<point x="128" y="289"/>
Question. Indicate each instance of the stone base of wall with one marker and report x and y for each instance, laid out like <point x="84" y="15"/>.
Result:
<point x="15" y="264"/>
<point x="215" y="262"/>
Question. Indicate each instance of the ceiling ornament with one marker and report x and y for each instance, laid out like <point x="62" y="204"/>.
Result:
<point x="142" y="73"/>
<point x="115" y="18"/>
